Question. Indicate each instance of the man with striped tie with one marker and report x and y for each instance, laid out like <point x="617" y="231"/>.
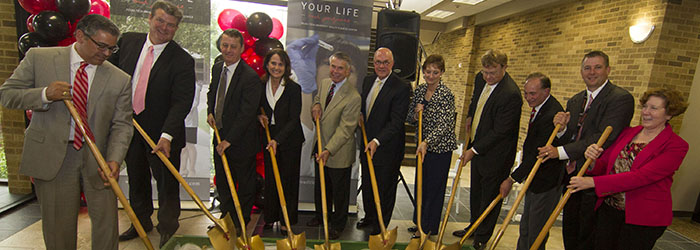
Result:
<point x="54" y="152"/>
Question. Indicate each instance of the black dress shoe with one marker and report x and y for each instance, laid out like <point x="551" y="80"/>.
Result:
<point x="363" y="223"/>
<point x="313" y="222"/>
<point x="461" y="233"/>
<point x="131" y="233"/>
<point x="164" y="237"/>
<point x="479" y="246"/>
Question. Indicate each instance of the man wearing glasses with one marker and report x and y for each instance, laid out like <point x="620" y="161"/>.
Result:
<point x="492" y="122"/>
<point x="54" y="152"/>
<point x="163" y="89"/>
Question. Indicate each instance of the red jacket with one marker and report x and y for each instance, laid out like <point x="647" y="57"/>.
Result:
<point x="647" y="185"/>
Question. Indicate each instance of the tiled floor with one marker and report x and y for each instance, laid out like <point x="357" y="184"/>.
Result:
<point x="20" y="228"/>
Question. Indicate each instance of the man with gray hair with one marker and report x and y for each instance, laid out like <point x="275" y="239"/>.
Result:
<point x="163" y="83"/>
<point x="337" y="106"/>
<point x="43" y="79"/>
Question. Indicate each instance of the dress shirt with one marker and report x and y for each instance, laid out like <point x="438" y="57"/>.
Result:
<point x="492" y="88"/>
<point x="157" y="50"/>
<point x="272" y="98"/>
<point x="375" y="87"/>
<point x="591" y="95"/>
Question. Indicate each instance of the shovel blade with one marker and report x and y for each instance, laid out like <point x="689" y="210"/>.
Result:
<point x="333" y="246"/>
<point x="376" y="242"/>
<point x="298" y="242"/>
<point x="255" y="243"/>
<point x="219" y="239"/>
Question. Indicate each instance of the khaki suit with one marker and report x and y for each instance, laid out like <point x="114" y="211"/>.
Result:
<point x="338" y="124"/>
<point x="48" y="156"/>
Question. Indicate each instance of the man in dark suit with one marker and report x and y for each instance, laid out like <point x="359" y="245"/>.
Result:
<point x="545" y="189"/>
<point x="163" y="89"/>
<point x="385" y="97"/>
<point x="232" y="103"/>
<point x="587" y="114"/>
<point x="54" y="153"/>
<point x="493" y="122"/>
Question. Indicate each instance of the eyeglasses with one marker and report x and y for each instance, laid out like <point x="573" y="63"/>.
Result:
<point x="387" y="62"/>
<point x="103" y="46"/>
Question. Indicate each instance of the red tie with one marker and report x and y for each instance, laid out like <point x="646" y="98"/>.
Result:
<point x="330" y="94"/>
<point x="80" y="91"/>
<point x="572" y="164"/>
<point x="532" y="115"/>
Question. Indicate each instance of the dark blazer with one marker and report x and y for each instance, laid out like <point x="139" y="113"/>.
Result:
<point x="614" y="106"/>
<point x="496" y="137"/>
<point x="287" y="131"/>
<point x="549" y="174"/>
<point x="240" y="108"/>
<point x="386" y="120"/>
<point x="647" y="185"/>
<point x="170" y="87"/>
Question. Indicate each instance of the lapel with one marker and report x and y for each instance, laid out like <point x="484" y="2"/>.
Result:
<point x="622" y="140"/>
<point x="494" y="93"/>
<point x="337" y="97"/>
<point x="62" y="62"/>
<point x="538" y="117"/>
<point x="651" y="149"/>
<point x="382" y="93"/>
<point x="97" y="87"/>
<point x="135" y="53"/>
<point x="601" y="96"/>
<point x="164" y="59"/>
<point x="233" y="84"/>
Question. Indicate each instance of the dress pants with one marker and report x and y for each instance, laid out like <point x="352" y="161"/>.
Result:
<point x="484" y="188"/>
<point x="289" y="167"/>
<point x="578" y="221"/>
<point x="140" y="165"/>
<point x="243" y="173"/>
<point x="387" y="179"/>
<point x="536" y="211"/>
<point x="436" y="166"/>
<point x="337" y="196"/>
<point x="612" y="233"/>
<point x="60" y="202"/>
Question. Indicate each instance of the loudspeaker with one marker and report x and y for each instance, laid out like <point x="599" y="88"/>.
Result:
<point x="399" y="31"/>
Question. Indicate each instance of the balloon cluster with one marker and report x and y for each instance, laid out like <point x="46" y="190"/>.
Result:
<point x="260" y="34"/>
<point x="52" y="22"/>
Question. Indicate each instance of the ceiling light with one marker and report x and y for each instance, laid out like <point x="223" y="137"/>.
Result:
<point x="440" y="13"/>
<point x="640" y="32"/>
<point x="472" y="2"/>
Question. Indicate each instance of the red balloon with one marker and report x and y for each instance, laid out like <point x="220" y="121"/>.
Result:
<point x="30" y="27"/>
<point x="239" y="23"/>
<point x="256" y="62"/>
<point x="66" y="42"/>
<point x="226" y="18"/>
<point x="99" y="7"/>
<point x="36" y="6"/>
<point x="247" y="53"/>
<point x="248" y="40"/>
<point x="277" y="29"/>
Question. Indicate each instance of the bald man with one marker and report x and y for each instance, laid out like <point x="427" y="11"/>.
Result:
<point x="385" y="99"/>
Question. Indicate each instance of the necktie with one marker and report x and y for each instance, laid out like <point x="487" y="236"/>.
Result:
<point x="220" y="98"/>
<point x="330" y="94"/>
<point x="139" y="100"/>
<point x="479" y="109"/>
<point x="572" y="164"/>
<point x="373" y="98"/>
<point x="532" y="115"/>
<point x="80" y="91"/>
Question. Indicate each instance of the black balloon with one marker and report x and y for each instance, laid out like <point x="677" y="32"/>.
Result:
<point x="73" y="9"/>
<point x="29" y="40"/>
<point x="264" y="45"/>
<point x="51" y="25"/>
<point x="259" y="25"/>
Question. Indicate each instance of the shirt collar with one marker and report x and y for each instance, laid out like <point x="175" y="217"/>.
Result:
<point x="155" y="46"/>
<point x="597" y="91"/>
<point x="338" y="85"/>
<point x="232" y="67"/>
<point x="75" y="58"/>
<point x="538" y="107"/>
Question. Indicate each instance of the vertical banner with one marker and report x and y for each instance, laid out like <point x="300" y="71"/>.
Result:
<point x="316" y="30"/>
<point x="195" y="165"/>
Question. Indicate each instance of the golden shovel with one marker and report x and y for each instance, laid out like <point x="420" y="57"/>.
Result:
<point x="443" y="226"/>
<point x="108" y="172"/>
<point x="386" y="239"/>
<point x="526" y="185"/>
<point x="223" y="231"/>
<point x="243" y="242"/>
<point x="293" y="242"/>
<point x="422" y="242"/>
<point x="473" y="226"/>
<point x="567" y="195"/>
<point x="322" y="177"/>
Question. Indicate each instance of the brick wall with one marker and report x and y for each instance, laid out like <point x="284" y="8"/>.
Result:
<point x="554" y="40"/>
<point x="11" y="121"/>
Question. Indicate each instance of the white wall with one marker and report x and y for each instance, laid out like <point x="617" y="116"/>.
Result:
<point x="686" y="184"/>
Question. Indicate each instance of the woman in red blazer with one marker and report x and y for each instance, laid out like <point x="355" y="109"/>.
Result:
<point x="633" y="177"/>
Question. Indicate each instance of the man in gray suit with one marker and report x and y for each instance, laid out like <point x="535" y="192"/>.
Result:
<point x="44" y="78"/>
<point x="337" y="106"/>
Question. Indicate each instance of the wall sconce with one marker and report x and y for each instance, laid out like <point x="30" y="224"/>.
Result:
<point x="640" y="32"/>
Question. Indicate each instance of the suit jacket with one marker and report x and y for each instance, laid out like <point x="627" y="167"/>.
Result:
<point x="496" y="136"/>
<point x="549" y="173"/>
<point x="287" y="132"/>
<point x="170" y="88"/>
<point x="647" y="185"/>
<point x="614" y="106"/>
<point x="46" y="139"/>
<point x="386" y="119"/>
<point x="239" y="120"/>
<point x="338" y="123"/>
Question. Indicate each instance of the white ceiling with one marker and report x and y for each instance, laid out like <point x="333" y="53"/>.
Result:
<point x="424" y="7"/>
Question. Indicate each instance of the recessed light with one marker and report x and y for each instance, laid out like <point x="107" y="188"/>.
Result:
<point x="472" y="2"/>
<point x="440" y="13"/>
